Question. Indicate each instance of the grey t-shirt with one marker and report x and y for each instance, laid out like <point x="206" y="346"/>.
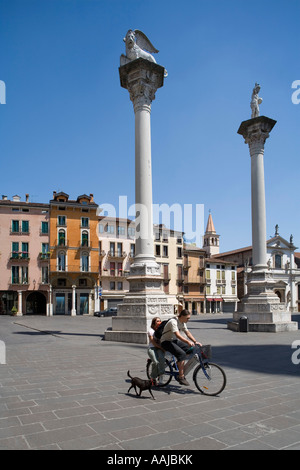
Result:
<point x="171" y="327"/>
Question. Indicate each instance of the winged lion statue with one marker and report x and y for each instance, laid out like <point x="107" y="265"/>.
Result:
<point x="138" y="46"/>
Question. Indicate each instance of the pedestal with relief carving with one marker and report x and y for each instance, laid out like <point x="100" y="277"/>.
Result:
<point x="261" y="305"/>
<point x="146" y="298"/>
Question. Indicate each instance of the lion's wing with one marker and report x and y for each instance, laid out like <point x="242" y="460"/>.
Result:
<point x="143" y="42"/>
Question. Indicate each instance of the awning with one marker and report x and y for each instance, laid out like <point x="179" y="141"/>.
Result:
<point x="214" y="300"/>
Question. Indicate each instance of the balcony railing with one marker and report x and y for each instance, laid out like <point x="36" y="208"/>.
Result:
<point x="116" y="254"/>
<point x="19" y="255"/>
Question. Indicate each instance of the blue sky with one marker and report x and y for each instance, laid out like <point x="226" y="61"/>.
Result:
<point x="67" y="125"/>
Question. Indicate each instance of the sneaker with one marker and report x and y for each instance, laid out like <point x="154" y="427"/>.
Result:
<point x="160" y="380"/>
<point x="183" y="381"/>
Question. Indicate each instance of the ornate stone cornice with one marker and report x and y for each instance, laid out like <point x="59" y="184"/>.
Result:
<point x="255" y="132"/>
<point x="141" y="78"/>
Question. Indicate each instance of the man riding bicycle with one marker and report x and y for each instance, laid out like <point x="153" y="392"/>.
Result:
<point x="173" y="341"/>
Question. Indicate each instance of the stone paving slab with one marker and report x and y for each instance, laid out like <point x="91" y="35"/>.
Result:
<point x="65" y="388"/>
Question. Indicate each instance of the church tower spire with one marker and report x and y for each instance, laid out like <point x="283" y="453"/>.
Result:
<point x="211" y="239"/>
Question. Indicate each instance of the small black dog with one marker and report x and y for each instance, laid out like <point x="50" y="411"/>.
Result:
<point x="141" y="384"/>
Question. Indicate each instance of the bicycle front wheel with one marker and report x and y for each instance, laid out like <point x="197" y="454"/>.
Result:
<point x="165" y="378"/>
<point x="210" y="379"/>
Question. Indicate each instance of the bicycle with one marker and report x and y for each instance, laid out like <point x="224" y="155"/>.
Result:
<point x="209" y="378"/>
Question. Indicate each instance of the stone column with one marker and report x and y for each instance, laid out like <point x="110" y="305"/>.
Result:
<point x="73" y="311"/>
<point x="146" y="297"/>
<point x="261" y="305"/>
<point x="20" y="309"/>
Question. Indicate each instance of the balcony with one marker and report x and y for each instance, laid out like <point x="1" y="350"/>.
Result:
<point x="19" y="232"/>
<point x="19" y="256"/>
<point x="116" y="254"/>
<point x="16" y="281"/>
<point x="44" y="256"/>
<point x="75" y="269"/>
<point x="113" y="275"/>
<point x="61" y="243"/>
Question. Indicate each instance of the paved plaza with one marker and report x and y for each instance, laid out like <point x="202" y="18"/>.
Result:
<point x="64" y="387"/>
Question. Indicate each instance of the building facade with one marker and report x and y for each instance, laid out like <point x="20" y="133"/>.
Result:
<point x="281" y="262"/>
<point x="116" y="252"/>
<point x="74" y="255"/>
<point x="24" y="259"/>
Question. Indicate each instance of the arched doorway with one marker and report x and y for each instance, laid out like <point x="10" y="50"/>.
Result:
<point x="36" y="304"/>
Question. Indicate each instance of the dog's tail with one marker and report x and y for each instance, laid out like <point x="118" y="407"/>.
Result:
<point x="129" y="374"/>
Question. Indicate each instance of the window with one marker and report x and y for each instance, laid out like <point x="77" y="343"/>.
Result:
<point x="45" y="249"/>
<point x="179" y="252"/>
<point x="233" y="275"/>
<point x="44" y="227"/>
<point x="45" y="275"/>
<point x="25" y="250"/>
<point x="85" y="238"/>
<point x="61" y="261"/>
<point x="132" y="250"/>
<point x="15" y="226"/>
<point x="15" y="250"/>
<point x="120" y="269"/>
<point x="165" y="250"/>
<point x="112" y="285"/>
<point x="24" y="275"/>
<point x="121" y="230"/>
<point x="62" y="237"/>
<point x="112" y="249"/>
<point x="119" y="249"/>
<point x="131" y="232"/>
<point x="112" y="268"/>
<point x="207" y="274"/>
<point x="110" y="229"/>
<point x="157" y="250"/>
<point x="207" y="290"/>
<point x="61" y="220"/>
<point x="101" y="228"/>
<point x="85" y="222"/>
<point x="25" y="226"/>
<point x="120" y="286"/>
<point x="277" y="261"/>
<point x="85" y="262"/>
<point x="15" y="274"/>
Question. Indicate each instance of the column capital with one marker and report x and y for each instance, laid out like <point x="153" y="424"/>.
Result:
<point x="255" y="132"/>
<point x="141" y="78"/>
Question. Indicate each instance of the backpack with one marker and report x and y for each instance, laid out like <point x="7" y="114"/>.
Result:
<point x="158" y="333"/>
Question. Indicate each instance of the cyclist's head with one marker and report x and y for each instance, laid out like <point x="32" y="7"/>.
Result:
<point x="156" y="321"/>
<point x="184" y="314"/>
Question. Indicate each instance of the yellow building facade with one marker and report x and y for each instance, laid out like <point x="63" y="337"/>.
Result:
<point x="74" y="254"/>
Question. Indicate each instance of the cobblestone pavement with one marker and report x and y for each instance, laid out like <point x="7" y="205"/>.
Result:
<point x="64" y="387"/>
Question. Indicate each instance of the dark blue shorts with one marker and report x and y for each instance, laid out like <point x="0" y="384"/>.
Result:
<point x="177" y="348"/>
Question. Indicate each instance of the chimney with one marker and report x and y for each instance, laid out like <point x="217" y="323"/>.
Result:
<point x="27" y="197"/>
<point x="92" y="197"/>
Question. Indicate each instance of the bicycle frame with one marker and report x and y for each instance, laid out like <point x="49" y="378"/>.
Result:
<point x="202" y="360"/>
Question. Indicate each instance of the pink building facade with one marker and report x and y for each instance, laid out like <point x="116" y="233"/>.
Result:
<point x="24" y="259"/>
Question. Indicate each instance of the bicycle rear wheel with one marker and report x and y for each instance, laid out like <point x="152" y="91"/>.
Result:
<point x="165" y="378"/>
<point x="210" y="380"/>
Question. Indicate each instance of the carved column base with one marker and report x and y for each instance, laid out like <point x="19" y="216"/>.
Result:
<point x="262" y="306"/>
<point x="144" y="301"/>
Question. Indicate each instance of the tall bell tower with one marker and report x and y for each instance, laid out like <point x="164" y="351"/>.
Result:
<point x="211" y="238"/>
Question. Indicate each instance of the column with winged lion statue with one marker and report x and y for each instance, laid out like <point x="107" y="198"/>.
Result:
<point x="141" y="76"/>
